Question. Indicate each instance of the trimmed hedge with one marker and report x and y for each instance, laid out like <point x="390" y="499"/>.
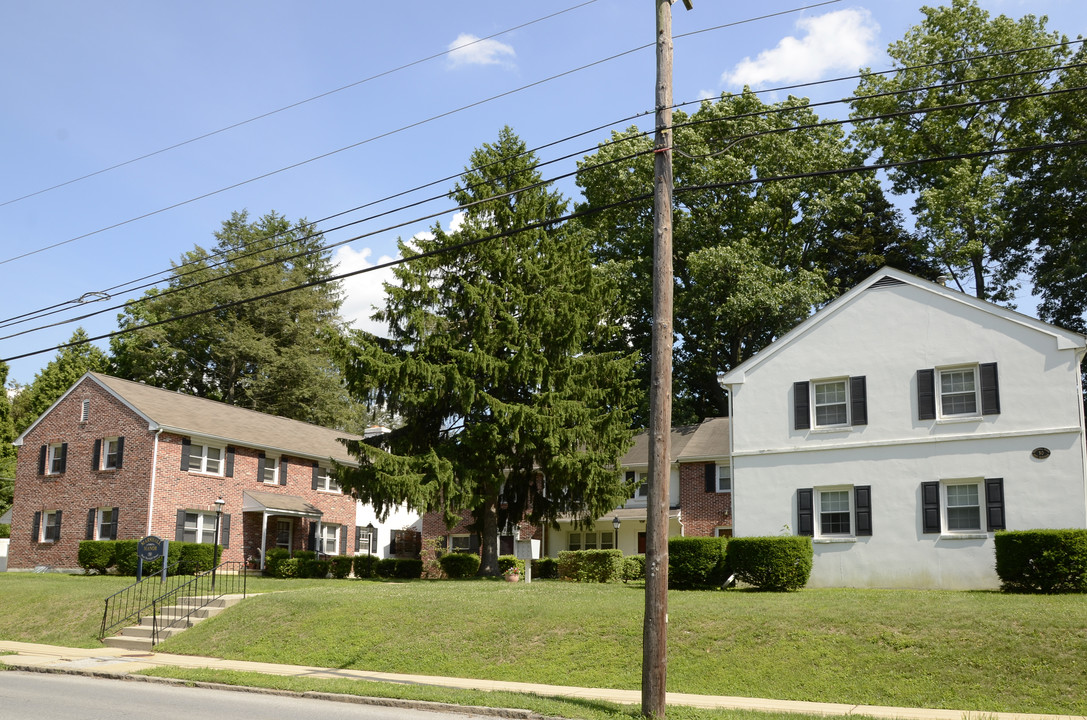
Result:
<point x="505" y="562"/>
<point x="273" y="560"/>
<point x="365" y="566"/>
<point x="545" y="568"/>
<point x="591" y="565"/>
<point x="341" y="566"/>
<point x="771" y="563"/>
<point x="185" y="558"/>
<point x="386" y="567"/>
<point x="458" y="566"/>
<point x="1042" y="561"/>
<point x="696" y="563"/>
<point x="96" y="556"/>
<point x="408" y="568"/>
<point x="633" y="568"/>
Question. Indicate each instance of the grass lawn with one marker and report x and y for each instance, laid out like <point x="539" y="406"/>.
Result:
<point x="961" y="650"/>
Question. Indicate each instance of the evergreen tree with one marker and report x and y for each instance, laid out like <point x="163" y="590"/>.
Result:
<point x="70" y="364"/>
<point x="7" y="450"/>
<point x="505" y="411"/>
<point x="272" y="355"/>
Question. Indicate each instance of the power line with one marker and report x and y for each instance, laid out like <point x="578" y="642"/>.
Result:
<point x="296" y="104"/>
<point x="553" y="221"/>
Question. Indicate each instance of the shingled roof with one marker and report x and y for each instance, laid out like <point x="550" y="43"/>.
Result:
<point x="689" y="443"/>
<point x="191" y="415"/>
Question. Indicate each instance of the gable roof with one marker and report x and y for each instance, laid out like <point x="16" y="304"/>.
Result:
<point x="708" y="439"/>
<point x="190" y="415"/>
<point x="889" y="277"/>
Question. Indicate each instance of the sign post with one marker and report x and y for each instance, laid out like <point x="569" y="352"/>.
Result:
<point x="150" y="548"/>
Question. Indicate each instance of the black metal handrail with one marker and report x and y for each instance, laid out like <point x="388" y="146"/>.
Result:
<point x="186" y="593"/>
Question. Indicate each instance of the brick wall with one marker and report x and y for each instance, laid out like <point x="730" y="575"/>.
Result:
<point x="702" y="511"/>
<point x="80" y="487"/>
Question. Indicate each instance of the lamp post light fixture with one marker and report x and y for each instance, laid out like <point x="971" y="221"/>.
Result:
<point x="218" y="516"/>
<point x="370" y="530"/>
<point x="615" y="525"/>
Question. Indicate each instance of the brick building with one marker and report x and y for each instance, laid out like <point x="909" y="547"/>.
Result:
<point x="114" y="459"/>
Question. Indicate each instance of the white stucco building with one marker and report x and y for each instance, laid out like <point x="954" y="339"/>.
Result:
<point x="901" y="426"/>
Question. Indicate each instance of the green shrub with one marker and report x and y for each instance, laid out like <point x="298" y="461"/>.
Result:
<point x="1042" y="561"/>
<point x="288" y="568"/>
<point x="341" y="566"/>
<point x="545" y="568"/>
<point x="505" y="562"/>
<point x="365" y="566"/>
<point x="124" y="555"/>
<point x="696" y="562"/>
<point x="771" y="563"/>
<point x="193" y="558"/>
<point x="5" y="531"/>
<point x="386" y="567"/>
<point x="633" y="568"/>
<point x="458" y="566"/>
<point x="591" y="565"/>
<point x="408" y="568"/>
<point x="272" y="560"/>
<point x="96" y="556"/>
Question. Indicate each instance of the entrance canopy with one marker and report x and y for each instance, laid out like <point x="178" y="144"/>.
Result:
<point x="277" y="504"/>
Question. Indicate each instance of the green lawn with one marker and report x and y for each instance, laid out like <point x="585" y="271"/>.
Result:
<point x="962" y="650"/>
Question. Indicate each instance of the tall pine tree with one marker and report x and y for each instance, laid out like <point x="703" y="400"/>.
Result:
<point x="505" y="411"/>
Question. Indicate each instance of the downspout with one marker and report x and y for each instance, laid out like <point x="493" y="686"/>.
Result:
<point x="1080" y="352"/>
<point x="154" y="476"/>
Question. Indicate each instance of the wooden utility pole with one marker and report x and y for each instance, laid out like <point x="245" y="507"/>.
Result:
<point x="655" y="628"/>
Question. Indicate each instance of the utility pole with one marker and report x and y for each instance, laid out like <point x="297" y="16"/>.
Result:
<point x="655" y="628"/>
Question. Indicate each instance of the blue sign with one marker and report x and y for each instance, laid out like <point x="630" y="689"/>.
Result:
<point x="149" y="548"/>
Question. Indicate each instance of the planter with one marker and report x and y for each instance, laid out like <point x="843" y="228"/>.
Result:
<point x="513" y="577"/>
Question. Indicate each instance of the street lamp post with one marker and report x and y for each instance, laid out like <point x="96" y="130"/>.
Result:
<point x="218" y="516"/>
<point x="615" y="525"/>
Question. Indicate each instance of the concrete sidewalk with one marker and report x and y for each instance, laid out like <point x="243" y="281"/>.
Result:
<point x="120" y="662"/>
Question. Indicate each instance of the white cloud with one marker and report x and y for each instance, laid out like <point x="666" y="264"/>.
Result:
<point x="470" y="50"/>
<point x="842" y="40"/>
<point x="365" y="292"/>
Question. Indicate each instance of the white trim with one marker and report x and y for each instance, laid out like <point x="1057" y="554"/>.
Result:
<point x="154" y="477"/>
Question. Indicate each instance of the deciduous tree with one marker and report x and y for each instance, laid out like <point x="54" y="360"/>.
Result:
<point x="70" y="364"/>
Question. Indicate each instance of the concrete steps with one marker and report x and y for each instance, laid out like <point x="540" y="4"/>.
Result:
<point x="171" y="620"/>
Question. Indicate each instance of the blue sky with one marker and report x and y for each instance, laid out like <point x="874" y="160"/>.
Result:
<point x="89" y="86"/>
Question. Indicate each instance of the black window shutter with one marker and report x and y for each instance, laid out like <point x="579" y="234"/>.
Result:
<point x="36" y="527"/>
<point x="113" y="523"/>
<point x="862" y="506"/>
<point x="473" y="543"/>
<point x="261" y="462"/>
<point x="224" y="531"/>
<point x="342" y="550"/>
<point x="805" y="512"/>
<point x="179" y="526"/>
<point x="392" y="541"/>
<point x="312" y="539"/>
<point x="186" y="448"/>
<point x="63" y="457"/>
<point x="990" y="389"/>
<point x="801" y="406"/>
<point x="316" y="473"/>
<point x="358" y="539"/>
<point x="90" y="523"/>
<point x="283" y="470"/>
<point x="41" y="459"/>
<point x="711" y="477"/>
<point x="96" y="458"/>
<point x="858" y="400"/>
<point x="930" y="507"/>
<point x="926" y="394"/>
<point x="120" y="451"/>
<point x="56" y="528"/>
<point x="229" y="472"/>
<point x="994" y="504"/>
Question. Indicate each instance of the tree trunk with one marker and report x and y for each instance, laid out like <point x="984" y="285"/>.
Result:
<point x="488" y="538"/>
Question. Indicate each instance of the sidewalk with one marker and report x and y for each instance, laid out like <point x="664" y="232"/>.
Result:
<point x="120" y="662"/>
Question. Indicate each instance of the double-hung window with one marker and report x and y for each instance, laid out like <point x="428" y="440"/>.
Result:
<point x="46" y="526"/>
<point x="718" y="478"/>
<point x="640" y="482"/>
<point x="206" y="459"/>
<point x="834" y="512"/>
<point x="958" y="392"/>
<point x="962" y="507"/>
<point x="830" y="403"/>
<point x="324" y="480"/>
<point x="329" y="539"/>
<point x="198" y="527"/>
<point x="460" y="543"/>
<point x="102" y="523"/>
<point x="108" y="453"/>
<point x="53" y="459"/>
<point x="270" y="471"/>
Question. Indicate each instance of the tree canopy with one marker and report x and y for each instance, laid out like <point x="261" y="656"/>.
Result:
<point x="506" y="412"/>
<point x="272" y="355"/>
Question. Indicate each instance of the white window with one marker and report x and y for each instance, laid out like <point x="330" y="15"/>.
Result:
<point x="283" y="534"/>
<point x="574" y="541"/>
<point x="329" y="539"/>
<point x="271" y="471"/>
<point x="50" y="529"/>
<point x="199" y="527"/>
<point x="460" y="543"/>
<point x="831" y="402"/>
<point x="364" y="540"/>
<point x="603" y="540"/>
<point x="105" y="521"/>
<point x="725" y="532"/>
<point x="963" y="503"/>
<point x="835" y="511"/>
<point x="206" y="459"/>
<point x="111" y="453"/>
<point x="326" y="481"/>
<point x="639" y="480"/>
<point x="958" y="391"/>
<point x="55" y="461"/>
<point x="724" y="479"/>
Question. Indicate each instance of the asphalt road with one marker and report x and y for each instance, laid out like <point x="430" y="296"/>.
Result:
<point x="34" y="696"/>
